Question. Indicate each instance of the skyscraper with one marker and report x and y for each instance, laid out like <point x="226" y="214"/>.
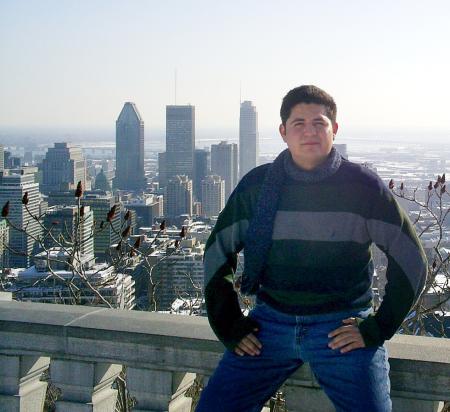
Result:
<point x="2" y="157"/>
<point x="12" y="189"/>
<point x="180" y="140"/>
<point x="4" y="242"/>
<point x="224" y="163"/>
<point x="130" y="149"/>
<point x="201" y="170"/>
<point x="248" y="138"/>
<point x="162" y="169"/>
<point x="213" y="195"/>
<point x="63" y="167"/>
<point x="179" y="196"/>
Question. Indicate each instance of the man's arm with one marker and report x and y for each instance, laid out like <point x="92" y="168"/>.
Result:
<point x="220" y="261"/>
<point x="391" y="230"/>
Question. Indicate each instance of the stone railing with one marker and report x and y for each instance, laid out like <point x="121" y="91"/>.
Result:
<point x="85" y="349"/>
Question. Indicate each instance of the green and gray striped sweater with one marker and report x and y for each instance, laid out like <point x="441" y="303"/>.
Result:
<point x="320" y="260"/>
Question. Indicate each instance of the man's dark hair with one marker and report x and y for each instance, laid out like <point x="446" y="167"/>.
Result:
<point x="307" y="94"/>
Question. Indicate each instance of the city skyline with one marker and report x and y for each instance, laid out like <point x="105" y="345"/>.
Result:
<point x="382" y="62"/>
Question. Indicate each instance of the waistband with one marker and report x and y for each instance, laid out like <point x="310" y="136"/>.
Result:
<point x="363" y="312"/>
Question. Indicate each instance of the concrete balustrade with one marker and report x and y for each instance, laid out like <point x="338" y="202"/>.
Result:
<point x="85" y="386"/>
<point x="86" y="348"/>
<point x="20" y="384"/>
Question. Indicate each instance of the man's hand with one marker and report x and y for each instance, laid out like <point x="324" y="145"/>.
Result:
<point x="347" y="338"/>
<point x="249" y="345"/>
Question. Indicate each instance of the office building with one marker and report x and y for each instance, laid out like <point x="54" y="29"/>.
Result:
<point x="2" y="157"/>
<point x="4" y="242"/>
<point x="213" y="195"/>
<point x="147" y="208"/>
<point x="130" y="149"/>
<point x="65" y="228"/>
<point x="62" y="168"/>
<point x="180" y="141"/>
<point x="179" y="274"/>
<point x="178" y="198"/>
<point x="162" y="170"/>
<point x="202" y="167"/>
<point x="224" y="163"/>
<point x="106" y="233"/>
<point x="37" y="283"/>
<point x="248" y="138"/>
<point x="12" y="188"/>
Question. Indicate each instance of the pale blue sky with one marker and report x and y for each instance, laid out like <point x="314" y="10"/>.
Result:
<point x="74" y="63"/>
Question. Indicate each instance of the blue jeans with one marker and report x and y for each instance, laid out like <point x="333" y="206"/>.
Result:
<point x="355" y="381"/>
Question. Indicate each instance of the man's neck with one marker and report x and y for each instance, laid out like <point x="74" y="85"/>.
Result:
<point x="308" y="166"/>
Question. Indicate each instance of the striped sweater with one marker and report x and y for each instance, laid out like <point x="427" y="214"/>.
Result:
<point x="320" y="260"/>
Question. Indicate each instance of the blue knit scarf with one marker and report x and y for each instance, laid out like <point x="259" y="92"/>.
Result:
<point x="259" y="234"/>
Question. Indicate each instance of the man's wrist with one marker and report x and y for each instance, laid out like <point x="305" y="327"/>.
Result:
<point x="240" y="328"/>
<point x="370" y="331"/>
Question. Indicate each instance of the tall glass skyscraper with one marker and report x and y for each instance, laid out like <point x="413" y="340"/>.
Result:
<point x="248" y="138"/>
<point x="202" y="166"/>
<point x="130" y="149"/>
<point x="224" y="163"/>
<point x="180" y="141"/>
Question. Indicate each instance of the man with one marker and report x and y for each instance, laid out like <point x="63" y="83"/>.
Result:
<point x="306" y="223"/>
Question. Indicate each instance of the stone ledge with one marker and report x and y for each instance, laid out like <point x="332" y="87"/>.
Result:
<point x="420" y="366"/>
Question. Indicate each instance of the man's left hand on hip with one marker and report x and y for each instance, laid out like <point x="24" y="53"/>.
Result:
<point x="347" y="337"/>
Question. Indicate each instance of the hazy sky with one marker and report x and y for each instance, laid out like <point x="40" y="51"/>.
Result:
<point x="74" y="63"/>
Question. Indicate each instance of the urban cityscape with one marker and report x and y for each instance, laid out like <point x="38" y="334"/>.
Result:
<point x="126" y="128"/>
<point x="155" y="195"/>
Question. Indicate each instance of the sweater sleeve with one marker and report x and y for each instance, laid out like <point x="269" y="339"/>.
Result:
<point x="220" y="261"/>
<point x="391" y="230"/>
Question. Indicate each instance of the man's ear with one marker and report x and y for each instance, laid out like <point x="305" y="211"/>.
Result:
<point x="282" y="130"/>
<point x="335" y="127"/>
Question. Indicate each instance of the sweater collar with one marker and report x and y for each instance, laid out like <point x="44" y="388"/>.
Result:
<point x="326" y="169"/>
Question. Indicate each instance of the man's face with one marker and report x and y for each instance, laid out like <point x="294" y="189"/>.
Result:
<point x="309" y="134"/>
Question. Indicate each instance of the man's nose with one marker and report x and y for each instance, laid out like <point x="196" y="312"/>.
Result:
<point x="309" y="129"/>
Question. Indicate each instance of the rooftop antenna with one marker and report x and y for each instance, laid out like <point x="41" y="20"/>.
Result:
<point x="175" y="86"/>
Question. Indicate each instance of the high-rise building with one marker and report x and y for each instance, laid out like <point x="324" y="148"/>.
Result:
<point x="162" y="170"/>
<point x="201" y="170"/>
<point x="106" y="233"/>
<point x="213" y="195"/>
<point x="4" y="242"/>
<point x="179" y="196"/>
<point x="224" y="163"/>
<point x="6" y="159"/>
<point x="12" y="188"/>
<point x="180" y="141"/>
<point x="63" y="167"/>
<point x="147" y="208"/>
<point x="178" y="273"/>
<point x="2" y="157"/>
<point x="248" y="138"/>
<point x="130" y="149"/>
<point x="63" y="223"/>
